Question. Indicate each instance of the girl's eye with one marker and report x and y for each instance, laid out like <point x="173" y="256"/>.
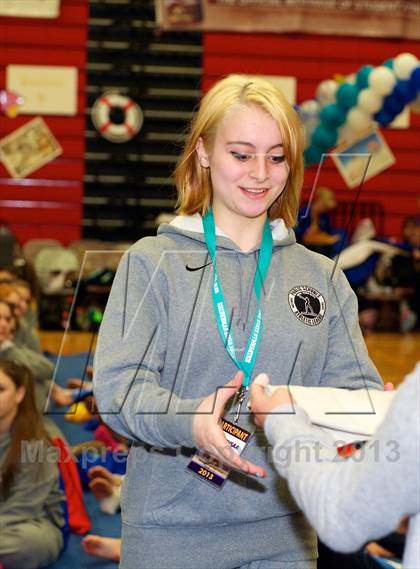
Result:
<point x="276" y="158"/>
<point x="241" y="156"/>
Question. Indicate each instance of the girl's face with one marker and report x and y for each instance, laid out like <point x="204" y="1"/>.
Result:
<point x="25" y="299"/>
<point x="247" y="164"/>
<point x="10" y="397"/>
<point x="6" y="321"/>
<point x="15" y="300"/>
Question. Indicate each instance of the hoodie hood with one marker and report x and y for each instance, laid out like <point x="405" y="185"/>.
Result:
<point x="192" y="226"/>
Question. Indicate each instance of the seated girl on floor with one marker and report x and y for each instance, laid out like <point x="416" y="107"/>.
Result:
<point x="41" y="367"/>
<point x="14" y="293"/>
<point x="32" y="518"/>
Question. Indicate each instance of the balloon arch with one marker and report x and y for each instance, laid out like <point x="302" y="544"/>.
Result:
<point x="342" y="110"/>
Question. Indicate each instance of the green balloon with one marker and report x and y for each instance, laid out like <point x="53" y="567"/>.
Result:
<point x="96" y="316"/>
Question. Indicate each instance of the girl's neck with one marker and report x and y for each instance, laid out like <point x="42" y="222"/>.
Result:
<point x="244" y="232"/>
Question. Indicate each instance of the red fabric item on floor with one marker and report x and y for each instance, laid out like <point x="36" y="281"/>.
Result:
<point x="79" y="520"/>
<point x="103" y="434"/>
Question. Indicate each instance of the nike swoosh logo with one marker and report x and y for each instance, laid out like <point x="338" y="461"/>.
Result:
<point x="191" y="269"/>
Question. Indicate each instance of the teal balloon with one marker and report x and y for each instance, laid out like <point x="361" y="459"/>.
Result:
<point x="332" y="116"/>
<point x="312" y="155"/>
<point x="346" y="96"/>
<point x="389" y="63"/>
<point x="324" y="138"/>
<point x="362" y="76"/>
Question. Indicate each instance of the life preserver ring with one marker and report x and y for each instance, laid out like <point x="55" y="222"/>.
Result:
<point x="116" y="117"/>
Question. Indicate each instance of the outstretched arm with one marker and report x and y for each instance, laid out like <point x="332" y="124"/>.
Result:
<point x="349" y="502"/>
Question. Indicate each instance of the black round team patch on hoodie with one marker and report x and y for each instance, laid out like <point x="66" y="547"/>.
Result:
<point x="307" y="304"/>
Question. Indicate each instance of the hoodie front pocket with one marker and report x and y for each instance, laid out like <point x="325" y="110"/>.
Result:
<point x="173" y="510"/>
<point x="183" y="499"/>
<point x="152" y="496"/>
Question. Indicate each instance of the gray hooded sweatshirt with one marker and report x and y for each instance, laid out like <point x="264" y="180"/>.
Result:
<point x="159" y="354"/>
<point x="32" y="516"/>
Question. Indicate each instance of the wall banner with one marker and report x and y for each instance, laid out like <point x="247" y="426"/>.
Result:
<point x="30" y="8"/>
<point x="46" y="89"/>
<point x="362" y="159"/>
<point x="369" y="18"/>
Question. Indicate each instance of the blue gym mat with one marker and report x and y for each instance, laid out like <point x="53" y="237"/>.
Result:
<point x="102" y="524"/>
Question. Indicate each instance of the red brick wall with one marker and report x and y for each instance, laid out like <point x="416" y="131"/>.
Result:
<point x="48" y="203"/>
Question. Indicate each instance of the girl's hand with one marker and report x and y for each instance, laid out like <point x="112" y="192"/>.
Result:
<point x="208" y="434"/>
<point x="403" y="525"/>
<point x="262" y="404"/>
<point x="377" y="550"/>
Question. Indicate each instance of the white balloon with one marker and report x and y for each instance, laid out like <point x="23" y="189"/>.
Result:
<point x="382" y="80"/>
<point x="369" y="101"/>
<point x="309" y="126"/>
<point x="404" y="65"/>
<point x="309" y="108"/>
<point x="325" y="92"/>
<point x="358" y="120"/>
<point x="351" y="79"/>
<point x="345" y="134"/>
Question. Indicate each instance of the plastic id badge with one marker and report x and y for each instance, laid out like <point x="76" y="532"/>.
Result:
<point x="210" y="469"/>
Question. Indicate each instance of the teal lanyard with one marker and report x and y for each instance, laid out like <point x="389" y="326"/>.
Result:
<point x="222" y="318"/>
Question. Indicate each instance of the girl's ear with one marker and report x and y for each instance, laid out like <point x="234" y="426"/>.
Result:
<point x="20" y="394"/>
<point x="202" y="154"/>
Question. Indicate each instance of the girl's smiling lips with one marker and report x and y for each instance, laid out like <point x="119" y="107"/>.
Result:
<point x="254" y="193"/>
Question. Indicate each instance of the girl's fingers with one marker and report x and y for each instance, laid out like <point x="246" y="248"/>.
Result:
<point x="227" y="455"/>
<point x="258" y="396"/>
<point x="255" y="470"/>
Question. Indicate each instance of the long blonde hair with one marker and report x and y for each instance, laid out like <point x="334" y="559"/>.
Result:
<point x="193" y="182"/>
